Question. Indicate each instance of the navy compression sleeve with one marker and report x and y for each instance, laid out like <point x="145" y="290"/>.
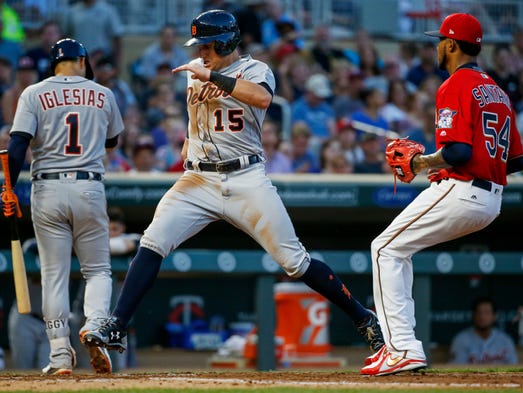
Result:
<point x="18" y="144"/>
<point x="456" y="153"/>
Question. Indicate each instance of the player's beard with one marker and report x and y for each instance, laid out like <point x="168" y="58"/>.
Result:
<point x="443" y="63"/>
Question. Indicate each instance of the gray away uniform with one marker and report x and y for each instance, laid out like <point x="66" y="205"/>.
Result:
<point x="69" y="119"/>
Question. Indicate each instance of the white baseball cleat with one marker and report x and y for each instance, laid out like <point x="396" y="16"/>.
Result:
<point x="388" y="363"/>
<point x="63" y="369"/>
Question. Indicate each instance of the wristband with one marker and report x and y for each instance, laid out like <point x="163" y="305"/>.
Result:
<point x="226" y="83"/>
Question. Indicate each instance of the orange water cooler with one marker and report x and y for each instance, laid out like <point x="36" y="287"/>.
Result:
<point x="302" y="320"/>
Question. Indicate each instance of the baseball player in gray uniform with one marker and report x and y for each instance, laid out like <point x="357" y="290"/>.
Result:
<point x="225" y="179"/>
<point x="68" y="121"/>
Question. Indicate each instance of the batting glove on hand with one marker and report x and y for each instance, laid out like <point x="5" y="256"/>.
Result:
<point x="10" y="203"/>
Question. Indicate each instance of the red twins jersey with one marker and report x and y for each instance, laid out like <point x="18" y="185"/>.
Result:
<point x="471" y="108"/>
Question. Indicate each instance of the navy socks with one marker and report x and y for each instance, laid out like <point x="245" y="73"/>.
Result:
<point x="145" y="266"/>
<point x="320" y="277"/>
<point x="140" y="277"/>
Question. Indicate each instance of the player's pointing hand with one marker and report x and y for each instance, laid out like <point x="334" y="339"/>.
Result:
<point x="198" y="72"/>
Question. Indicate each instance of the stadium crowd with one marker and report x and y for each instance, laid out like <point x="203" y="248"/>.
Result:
<point x="328" y="87"/>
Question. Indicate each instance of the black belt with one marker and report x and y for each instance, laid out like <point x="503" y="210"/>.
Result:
<point x="483" y="184"/>
<point x="223" y="166"/>
<point x="80" y="175"/>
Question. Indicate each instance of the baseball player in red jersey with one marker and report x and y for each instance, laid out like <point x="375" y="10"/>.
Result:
<point x="225" y="179"/>
<point x="478" y="145"/>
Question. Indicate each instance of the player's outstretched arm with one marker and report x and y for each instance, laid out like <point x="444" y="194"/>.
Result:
<point x="245" y="91"/>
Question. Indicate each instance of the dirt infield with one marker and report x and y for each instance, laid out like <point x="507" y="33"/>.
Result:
<point x="511" y="381"/>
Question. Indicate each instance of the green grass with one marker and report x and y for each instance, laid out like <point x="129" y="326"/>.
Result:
<point x="280" y="389"/>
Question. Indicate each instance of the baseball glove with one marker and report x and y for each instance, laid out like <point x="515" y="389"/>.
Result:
<point x="399" y="154"/>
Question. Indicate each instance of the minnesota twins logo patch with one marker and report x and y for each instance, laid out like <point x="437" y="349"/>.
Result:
<point x="445" y="117"/>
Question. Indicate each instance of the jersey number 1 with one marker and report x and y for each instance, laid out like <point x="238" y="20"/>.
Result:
<point x="72" y="121"/>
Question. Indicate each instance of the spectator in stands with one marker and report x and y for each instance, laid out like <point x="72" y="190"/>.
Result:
<point x="276" y="161"/>
<point x="280" y="31"/>
<point x="407" y="57"/>
<point x="107" y="75"/>
<point x="162" y="96"/>
<point x="164" y="50"/>
<point x="291" y="76"/>
<point x="373" y="155"/>
<point x="428" y="59"/>
<point x="483" y="343"/>
<point x="518" y="106"/>
<point x="115" y="161"/>
<point x="97" y="25"/>
<point x="129" y="138"/>
<point x="6" y="80"/>
<point x="155" y="118"/>
<point x="348" y="137"/>
<point x="169" y="154"/>
<point x="338" y="164"/>
<point x="332" y="158"/>
<point x="363" y="40"/>
<point x="371" y="65"/>
<point x="391" y="68"/>
<point x="430" y="84"/>
<point x="304" y="160"/>
<point x="249" y="18"/>
<point x="517" y="50"/>
<point x="4" y="137"/>
<point x="48" y="34"/>
<point x="10" y="49"/>
<point x="416" y="105"/>
<point x="329" y="148"/>
<point x="25" y="75"/>
<point x="144" y="155"/>
<point x="425" y="134"/>
<point x="314" y="108"/>
<point x="501" y="72"/>
<point x="323" y="52"/>
<point x="347" y="88"/>
<point x="395" y="111"/>
<point x="373" y="101"/>
<point x="12" y="29"/>
<point x="119" y="158"/>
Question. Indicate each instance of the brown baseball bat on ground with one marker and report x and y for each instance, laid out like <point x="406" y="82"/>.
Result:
<point x="23" y="301"/>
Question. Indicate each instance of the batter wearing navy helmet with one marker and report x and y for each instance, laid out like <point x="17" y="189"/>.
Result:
<point x="225" y="179"/>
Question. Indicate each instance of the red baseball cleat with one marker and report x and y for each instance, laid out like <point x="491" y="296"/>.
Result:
<point x="372" y="358"/>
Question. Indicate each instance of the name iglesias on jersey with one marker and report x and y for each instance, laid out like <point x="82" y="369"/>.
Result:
<point x="71" y="97"/>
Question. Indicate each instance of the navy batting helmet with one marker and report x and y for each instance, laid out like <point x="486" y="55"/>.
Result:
<point x="69" y="49"/>
<point x="218" y="26"/>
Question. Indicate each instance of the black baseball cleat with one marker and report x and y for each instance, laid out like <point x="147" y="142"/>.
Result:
<point x="111" y="335"/>
<point x="370" y="329"/>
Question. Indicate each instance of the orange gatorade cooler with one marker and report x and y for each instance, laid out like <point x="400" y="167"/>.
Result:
<point x="302" y="320"/>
